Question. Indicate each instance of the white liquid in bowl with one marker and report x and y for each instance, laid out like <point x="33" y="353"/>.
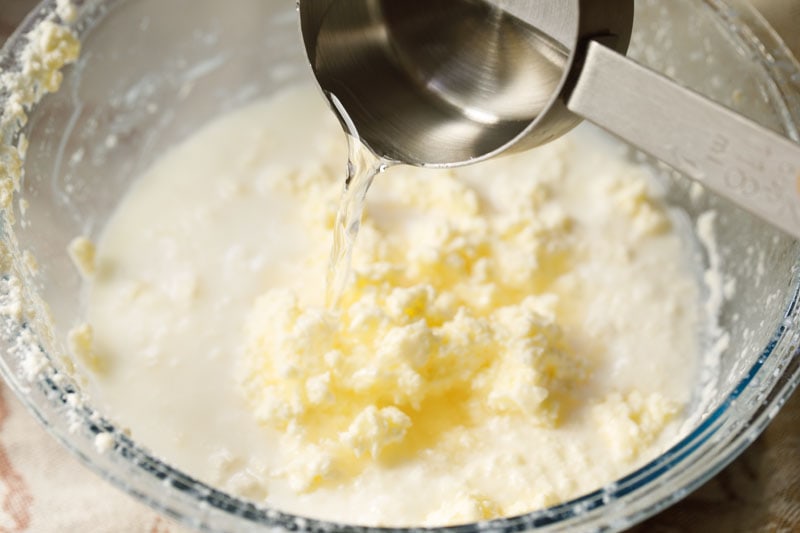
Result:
<point x="595" y="385"/>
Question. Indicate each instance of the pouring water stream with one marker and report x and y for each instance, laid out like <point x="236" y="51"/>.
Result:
<point x="362" y="167"/>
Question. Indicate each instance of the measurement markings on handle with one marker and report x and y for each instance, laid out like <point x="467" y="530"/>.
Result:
<point x="752" y="171"/>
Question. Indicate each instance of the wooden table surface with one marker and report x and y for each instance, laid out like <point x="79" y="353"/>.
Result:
<point x="759" y="492"/>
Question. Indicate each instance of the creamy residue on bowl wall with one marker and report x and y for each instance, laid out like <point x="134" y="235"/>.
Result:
<point x="50" y="46"/>
<point x="517" y="333"/>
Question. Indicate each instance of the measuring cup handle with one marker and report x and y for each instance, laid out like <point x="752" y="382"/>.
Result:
<point x="752" y="166"/>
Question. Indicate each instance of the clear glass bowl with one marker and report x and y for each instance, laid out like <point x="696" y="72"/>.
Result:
<point x="152" y="72"/>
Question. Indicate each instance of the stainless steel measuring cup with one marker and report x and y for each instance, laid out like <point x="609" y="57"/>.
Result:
<point x="444" y="83"/>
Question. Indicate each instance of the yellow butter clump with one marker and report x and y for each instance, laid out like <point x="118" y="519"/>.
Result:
<point x="433" y="333"/>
